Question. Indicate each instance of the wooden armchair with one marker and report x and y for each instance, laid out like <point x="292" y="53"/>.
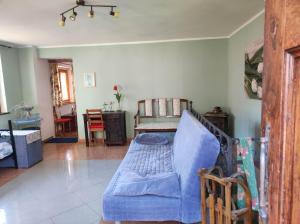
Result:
<point x="217" y="203"/>
<point x="95" y="123"/>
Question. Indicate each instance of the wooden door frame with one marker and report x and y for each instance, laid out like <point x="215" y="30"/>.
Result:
<point x="278" y="108"/>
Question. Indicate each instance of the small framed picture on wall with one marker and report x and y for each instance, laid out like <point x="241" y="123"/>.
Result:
<point x="89" y="79"/>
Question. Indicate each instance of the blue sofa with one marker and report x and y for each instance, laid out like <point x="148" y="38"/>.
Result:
<point x="159" y="182"/>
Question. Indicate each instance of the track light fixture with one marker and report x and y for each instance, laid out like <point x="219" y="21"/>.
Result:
<point x="91" y="13"/>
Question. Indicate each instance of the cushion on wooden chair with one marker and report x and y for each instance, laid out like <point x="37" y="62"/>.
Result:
<point x="62" y="120"/>
<point x="96" y="126"/>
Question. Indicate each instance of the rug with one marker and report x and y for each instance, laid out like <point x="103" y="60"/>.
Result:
<point x="62" y="140"/>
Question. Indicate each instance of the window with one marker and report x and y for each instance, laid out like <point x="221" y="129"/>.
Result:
<point x="3" y="104"/>
<point x="64" y="83"/>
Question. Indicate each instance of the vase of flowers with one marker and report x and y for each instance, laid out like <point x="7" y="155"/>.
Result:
<point x="118" y="95"/>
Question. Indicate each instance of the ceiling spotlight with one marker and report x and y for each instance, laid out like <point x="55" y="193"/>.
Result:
<point x="62" y="22"/>
<point x="73" y="15"/>
<point x="91" y="13"/>
<point x="114" y="13"/>
<point x="117" y="14"/>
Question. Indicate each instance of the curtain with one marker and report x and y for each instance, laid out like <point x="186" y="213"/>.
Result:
<point x="56" y="87"/>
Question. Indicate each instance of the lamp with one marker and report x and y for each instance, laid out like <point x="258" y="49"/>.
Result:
<point x="91" y="13"/>
<point x="73" y="15"/>
<point x="114" y="13"/>
<point x="62" y="22"/>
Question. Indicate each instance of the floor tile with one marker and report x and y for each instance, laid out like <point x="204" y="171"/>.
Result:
<point x="33" y="215"/>
<point x="96" y="205"/>
<point x="91" y="193"/>
<point x="67" y="152"/>
<point x="47" y="221"/>
<point x="79" y="215"/>
<point x="60" y="204"/>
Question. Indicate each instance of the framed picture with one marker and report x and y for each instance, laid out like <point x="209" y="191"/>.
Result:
<point x="254" y="69"/>
<point x="89" y="79"/>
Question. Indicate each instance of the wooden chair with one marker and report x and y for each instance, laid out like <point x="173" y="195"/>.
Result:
<point x="95" y="123"/>
<point x="60" y="123"/>
<point x="217" y="204"/>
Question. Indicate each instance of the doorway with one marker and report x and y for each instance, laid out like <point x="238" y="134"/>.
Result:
<point x="63" y="98"/>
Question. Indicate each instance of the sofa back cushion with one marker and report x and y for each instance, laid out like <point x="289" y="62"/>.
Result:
<point x="194" y="148"/>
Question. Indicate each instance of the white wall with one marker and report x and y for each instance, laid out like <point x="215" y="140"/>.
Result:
<point x="44" y="98"/>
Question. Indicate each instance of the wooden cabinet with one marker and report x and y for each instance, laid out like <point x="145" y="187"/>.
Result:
<point x="115" y="128"/>
<point x="218" y="118"/>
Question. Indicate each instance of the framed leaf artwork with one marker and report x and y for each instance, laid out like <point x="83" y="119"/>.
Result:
<point x="254" y="69"/>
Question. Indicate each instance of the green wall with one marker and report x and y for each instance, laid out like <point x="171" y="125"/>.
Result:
<point x="27" y="63"/>
<point x="246" y="112"/>
<point x="209" y="72"/>
<point x="12" y="81"/>
<point x="196" y="70"/>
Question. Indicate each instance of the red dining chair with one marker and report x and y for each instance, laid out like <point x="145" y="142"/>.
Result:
<point x="95" y="123"/>
<point x="60" y="123"/>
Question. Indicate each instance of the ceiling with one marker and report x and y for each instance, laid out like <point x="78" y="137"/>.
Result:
<point x="32" y="22"/>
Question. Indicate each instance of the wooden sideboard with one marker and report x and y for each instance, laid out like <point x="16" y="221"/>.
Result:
<point x="115" y="128"/>
<point x="220" y="120"/>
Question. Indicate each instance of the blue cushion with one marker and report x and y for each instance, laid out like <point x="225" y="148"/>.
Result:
<point x="133" y="184"/>
<point x="194" y="148"/>
<point x="151" y="139"/>
<point x="137" y="193"/>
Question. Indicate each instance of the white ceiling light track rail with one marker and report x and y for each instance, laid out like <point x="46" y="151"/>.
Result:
<point x="82" y="3"/>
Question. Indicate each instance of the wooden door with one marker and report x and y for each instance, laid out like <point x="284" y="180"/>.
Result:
<point x="281" y="108"/>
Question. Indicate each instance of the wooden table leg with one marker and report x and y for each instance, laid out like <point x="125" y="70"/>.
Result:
<point x="69" y="126"/>
<point x="86" y="134"/>
<point x="63" y="128"/>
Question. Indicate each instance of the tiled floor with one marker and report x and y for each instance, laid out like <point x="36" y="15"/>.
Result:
<point x="76" y="151"/>
<point x="66" y="187"/>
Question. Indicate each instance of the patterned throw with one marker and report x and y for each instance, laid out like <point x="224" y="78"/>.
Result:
<point x="245" y="160"/>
